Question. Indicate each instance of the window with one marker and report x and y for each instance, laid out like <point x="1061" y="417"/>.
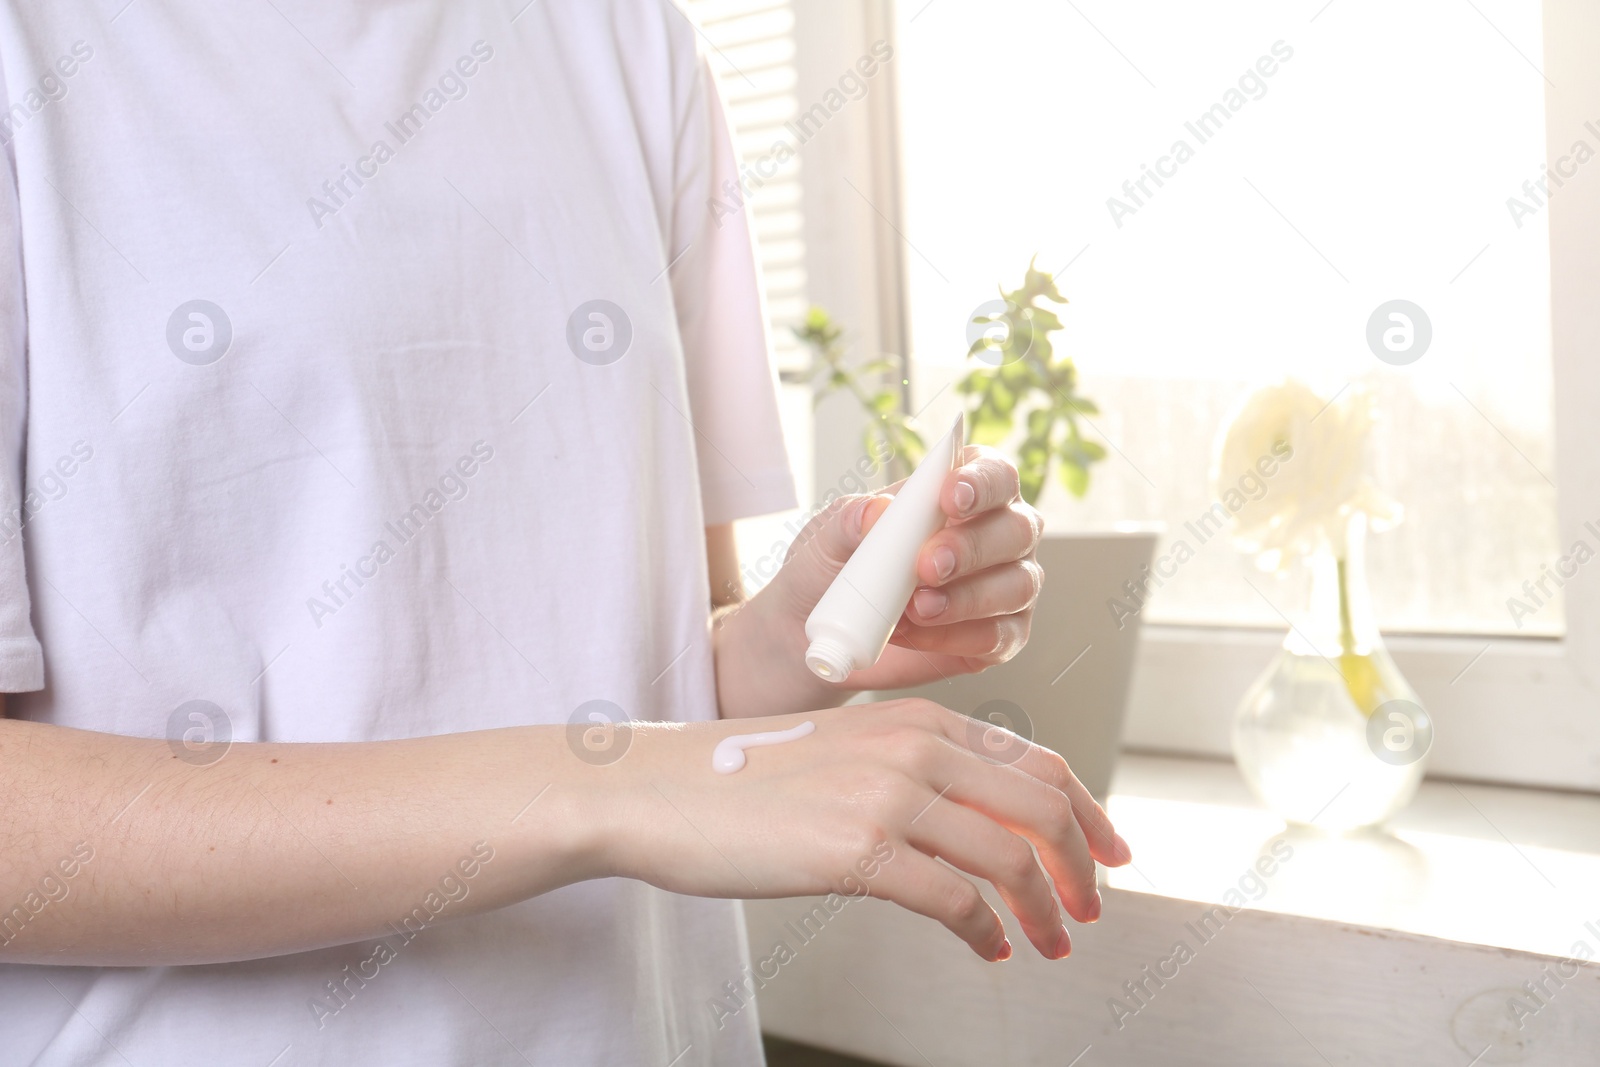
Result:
<point x="1380" y="160"/>
<point x="1314" y="170"/>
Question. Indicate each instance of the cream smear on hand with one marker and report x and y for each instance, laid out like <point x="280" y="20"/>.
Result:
<point x="728" y="756"/>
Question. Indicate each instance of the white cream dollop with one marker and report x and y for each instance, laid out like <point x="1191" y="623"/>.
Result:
<point x="728" y="756"/>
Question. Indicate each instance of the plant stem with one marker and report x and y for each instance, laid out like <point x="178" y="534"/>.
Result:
<point x="1347" y="635"/>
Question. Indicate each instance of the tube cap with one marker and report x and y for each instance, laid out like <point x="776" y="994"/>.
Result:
<point x="828" y="660"/>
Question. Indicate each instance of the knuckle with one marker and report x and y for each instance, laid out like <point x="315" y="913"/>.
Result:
<point x="963" y="541"/>
<point x="1061" y="822"/>
<point x="1035" y="577"/>
<point x="1013" y="634"/>
<point x="1055" y="773"/>
<point x="924" y="712"/>
<point x="1001" y="637"/>
<point x="964" y="902"/>
<point x="913" y="750"/>
<point x="809" y="535"/>
<point x="868" y="839"/>
<point x="1030" y="524"/>
<point x="1013" y="477"/>
<point x="1017" y="863"/>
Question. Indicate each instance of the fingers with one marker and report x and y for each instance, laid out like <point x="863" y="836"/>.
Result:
<point x="992" y="538"/>
<point x="983" y="642"/>
<point x="926" y="886"/>
<point x="1003" y="796"/>
<point x="1041" y="813"/>
<point x="823" y="546"/>
<point x="1105" y="844"/>
<point x="984" y="481"/>
<point x="980" y="846"/>
<point x="1003" y="590"/>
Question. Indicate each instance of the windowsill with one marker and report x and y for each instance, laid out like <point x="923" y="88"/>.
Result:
<point x="1486" y="865"/>
<point x="1405" y="948"/>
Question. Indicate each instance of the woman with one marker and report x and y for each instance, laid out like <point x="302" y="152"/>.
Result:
<point x="379" y="390"/>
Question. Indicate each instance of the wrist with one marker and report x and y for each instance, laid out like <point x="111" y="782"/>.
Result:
<point x="567" y="813"/>
<point x="760" y="662"/>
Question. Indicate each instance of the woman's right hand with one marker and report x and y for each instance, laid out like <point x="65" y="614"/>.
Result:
<point x="875" y="796"/>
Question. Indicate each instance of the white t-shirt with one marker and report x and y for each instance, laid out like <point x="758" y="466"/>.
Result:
<point x="312" y="417"/>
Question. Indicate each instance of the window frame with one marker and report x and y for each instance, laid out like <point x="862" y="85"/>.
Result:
<point x="1508" y="709"/>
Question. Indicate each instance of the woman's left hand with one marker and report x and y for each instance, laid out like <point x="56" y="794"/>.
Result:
<point x="977" y="581"/>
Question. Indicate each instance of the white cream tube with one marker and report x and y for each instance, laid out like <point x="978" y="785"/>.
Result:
<point x="851" y="624"/>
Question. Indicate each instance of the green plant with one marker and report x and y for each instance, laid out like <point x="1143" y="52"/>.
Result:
<point x="1026" y="376"/>
<point x="874" y="384"/>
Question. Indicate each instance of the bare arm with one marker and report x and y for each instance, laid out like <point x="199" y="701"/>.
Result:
<point x="722" y="565"/>
<point x="115" y="851"/>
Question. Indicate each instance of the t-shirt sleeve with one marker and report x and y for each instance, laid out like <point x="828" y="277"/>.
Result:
<point x="21" y="659"/>
<point x="722" y="318"/>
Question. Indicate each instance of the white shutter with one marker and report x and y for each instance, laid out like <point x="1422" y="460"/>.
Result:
<point x="751" y="48"/>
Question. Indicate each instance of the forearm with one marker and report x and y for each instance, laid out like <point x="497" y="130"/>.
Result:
<point x="275" y="848"/>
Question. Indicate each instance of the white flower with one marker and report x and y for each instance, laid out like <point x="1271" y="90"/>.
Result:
<point x="1291" y="467"/>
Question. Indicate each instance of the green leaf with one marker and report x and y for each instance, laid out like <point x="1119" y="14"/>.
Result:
<point x="1032" y="483"/>
<point x="989" y="427"/>
<point x="1004" y="396"/>
<point x="1045" y="319"/>
<point x="1075" y="477"/>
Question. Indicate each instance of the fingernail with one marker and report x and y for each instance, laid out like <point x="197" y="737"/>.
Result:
<point x="1063" y="945"/>
<point x="966" y="496"/>
<point x="1123" y="850"/>
<point x="930" y="602"/>
<point x="1005" y="951"/>
<point x="944" y="562"/>
<point x="1095" y="907"/>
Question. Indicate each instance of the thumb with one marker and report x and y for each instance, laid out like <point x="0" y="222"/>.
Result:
<point x="820" y="551"/>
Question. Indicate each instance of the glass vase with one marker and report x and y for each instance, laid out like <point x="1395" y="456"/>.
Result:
<point x="1331" y="735"/>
